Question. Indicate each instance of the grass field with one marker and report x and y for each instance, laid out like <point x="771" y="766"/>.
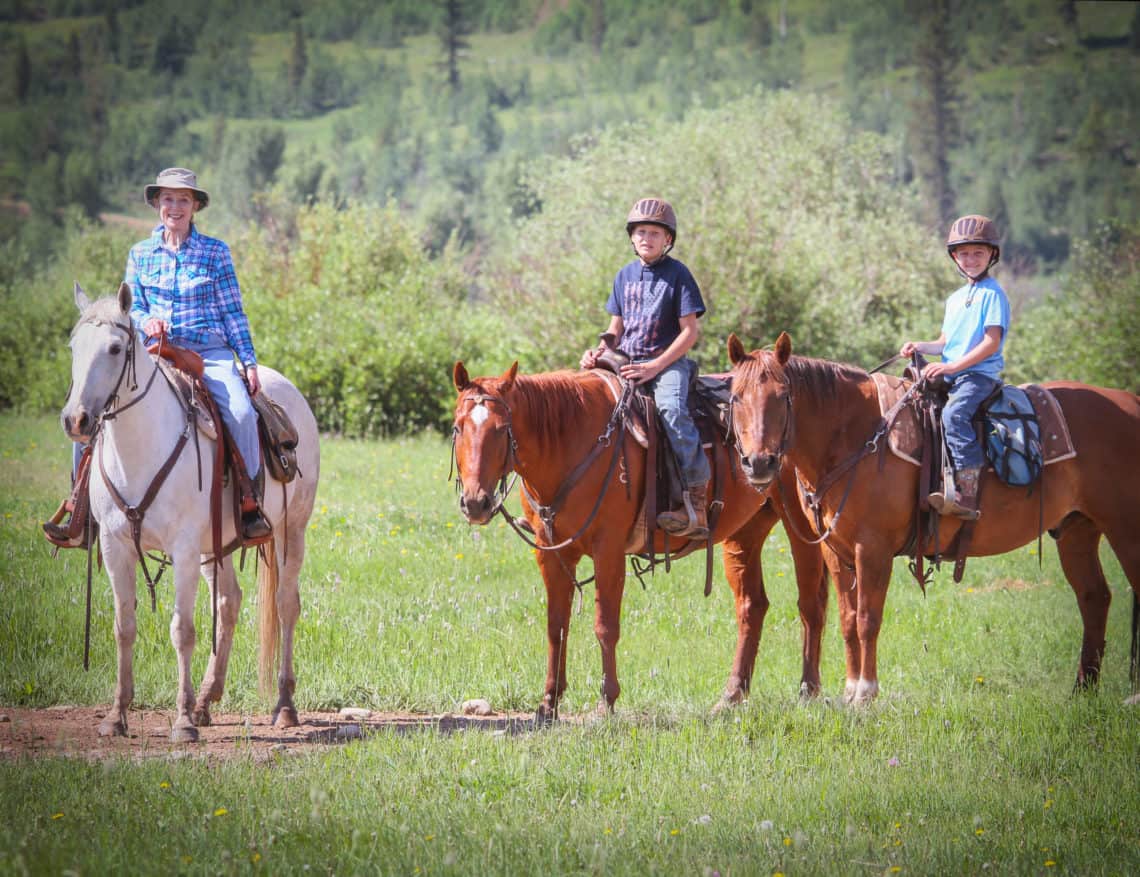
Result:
<point x="977" y="756"/>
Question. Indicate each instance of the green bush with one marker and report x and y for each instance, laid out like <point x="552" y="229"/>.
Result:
<point x="1090" y="330"/>
<point x="355" y="311"/>
<point x="39" y="312"/>
<point x="788" y="218"/>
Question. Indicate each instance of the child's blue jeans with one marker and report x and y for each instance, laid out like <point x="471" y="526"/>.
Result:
<point x="967" y="391"/>
<point x="671" y="393"/>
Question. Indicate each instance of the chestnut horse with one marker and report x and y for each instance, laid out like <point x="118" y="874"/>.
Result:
<point x="543" y="427"/>
<point x="816" y="418"/>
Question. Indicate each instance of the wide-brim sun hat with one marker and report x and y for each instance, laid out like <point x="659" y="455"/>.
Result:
<point x="177" y="178"/>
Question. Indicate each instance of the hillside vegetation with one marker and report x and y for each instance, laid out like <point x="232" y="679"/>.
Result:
<point x="406" y="184"/>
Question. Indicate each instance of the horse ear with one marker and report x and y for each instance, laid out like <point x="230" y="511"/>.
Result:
<point x="783" y="348"/>
<point x="81" y="300"/>
<point x="460" y="377"/>
<point x="125" y="297"/>
<point x="510" y="374"/>
<point x="736" y="354"/>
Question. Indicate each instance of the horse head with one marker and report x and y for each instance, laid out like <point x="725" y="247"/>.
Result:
<point x="102" y="351"/>
<point x="761" y="408"/>
<point x="483" y="442"/>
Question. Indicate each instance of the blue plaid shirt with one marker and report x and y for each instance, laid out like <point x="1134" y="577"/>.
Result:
<point x="197" y="285"/>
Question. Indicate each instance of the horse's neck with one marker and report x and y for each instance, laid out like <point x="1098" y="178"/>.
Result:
<point x="543" y="463"/>
<point x="828" y="432"/>
<point x="141" y="432"/>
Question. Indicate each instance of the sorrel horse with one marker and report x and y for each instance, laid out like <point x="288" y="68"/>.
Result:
<point x="139" y="425"/>
<point x="817" y="417"/>
<point x="544" y="427"/>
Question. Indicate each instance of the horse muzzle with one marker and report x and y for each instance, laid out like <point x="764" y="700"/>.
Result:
<point x="477" y="508"/>
<point x="78" y="423"/>
<point x="760" y="469"/>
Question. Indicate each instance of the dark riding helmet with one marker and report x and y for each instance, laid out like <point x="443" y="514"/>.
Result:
<point x="974" y="229"/>
<point x="655" y="211"/>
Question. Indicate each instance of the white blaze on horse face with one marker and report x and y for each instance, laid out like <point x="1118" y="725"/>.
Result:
<point x="479" y="414"/>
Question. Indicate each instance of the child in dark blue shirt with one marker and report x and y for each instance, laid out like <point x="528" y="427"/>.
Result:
<point x="654" y="307"/>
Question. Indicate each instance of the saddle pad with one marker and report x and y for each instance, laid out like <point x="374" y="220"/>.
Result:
<point x="1056" y="443"/>
<point x="905" y="438"/>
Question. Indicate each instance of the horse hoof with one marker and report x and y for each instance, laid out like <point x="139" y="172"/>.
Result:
<point x="201" y="717"/>
<point x="286" y="717"/>
<point x="728" y="702"/>
<point x="185" y="733"/>
<point x="113" y="728"/>
<point x="544" y="716"/>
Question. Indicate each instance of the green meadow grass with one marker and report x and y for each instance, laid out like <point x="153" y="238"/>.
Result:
<point x="976" y="757"/>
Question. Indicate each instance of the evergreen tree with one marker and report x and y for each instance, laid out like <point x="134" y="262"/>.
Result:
<point x="455" y="27"/>
<point x="23" y="72"/>
<point x="298" y="60"/>
<point x="933" y="111"/>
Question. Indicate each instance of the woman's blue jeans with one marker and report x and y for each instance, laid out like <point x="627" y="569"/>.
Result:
<point x="671" y="393"/>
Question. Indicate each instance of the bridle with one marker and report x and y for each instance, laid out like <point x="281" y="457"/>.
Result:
<point x="510" y="460"/>
<point x="547" y="513"/>
<point x="814" y="499"/>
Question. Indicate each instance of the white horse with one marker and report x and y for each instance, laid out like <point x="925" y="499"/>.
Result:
<point x="136" y="422"/>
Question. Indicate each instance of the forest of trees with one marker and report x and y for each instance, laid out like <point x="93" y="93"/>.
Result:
<point x="477" y="130"/>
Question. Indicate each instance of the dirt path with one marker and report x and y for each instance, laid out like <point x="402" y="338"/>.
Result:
<point x="72" y="731"/>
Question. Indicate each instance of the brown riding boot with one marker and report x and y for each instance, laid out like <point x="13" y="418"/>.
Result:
<point x="960" y="501"/>
<point x="74" y="532"/>
<point x="691" y="520"/>
<point x="254" y="527"/>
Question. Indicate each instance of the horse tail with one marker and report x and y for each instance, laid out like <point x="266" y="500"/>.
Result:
<point x="268" y="621"/>
<point x="1134" y="663"/>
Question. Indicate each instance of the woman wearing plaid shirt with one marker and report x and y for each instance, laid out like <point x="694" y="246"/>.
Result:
<point x="183" y="285"/>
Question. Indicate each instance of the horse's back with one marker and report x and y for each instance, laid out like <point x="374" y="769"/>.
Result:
<point x="1100" y="419"/>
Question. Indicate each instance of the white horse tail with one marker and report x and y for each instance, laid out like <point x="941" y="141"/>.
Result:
<point x="268" y="620"/>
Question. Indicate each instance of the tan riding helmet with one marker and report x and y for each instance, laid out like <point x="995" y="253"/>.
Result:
<point x="653" y="210"/>
<point x="974" y="229"/>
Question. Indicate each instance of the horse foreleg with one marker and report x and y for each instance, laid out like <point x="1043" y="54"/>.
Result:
<point x="811" y="581"/>
<point x="229" y="605"/>
<point x="609" y="572"/>
<point x="557" y="577"/>
<point x="182" y="637"/>
<point x="847" y="599"/>
<point x="873" y="575"/>
<point x="1077" y="545"/>
<point x="740" y="554"/>
<point x="120" y="563"/>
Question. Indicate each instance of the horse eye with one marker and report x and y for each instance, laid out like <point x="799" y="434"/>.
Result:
<point x="116" y="349"/>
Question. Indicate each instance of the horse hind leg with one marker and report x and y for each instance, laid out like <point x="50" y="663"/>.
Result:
<point x="1122" y="538"/>
<point x="1077" y="545"/>
<point x="229" y="605"/>
<point x="279" y="608"/>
